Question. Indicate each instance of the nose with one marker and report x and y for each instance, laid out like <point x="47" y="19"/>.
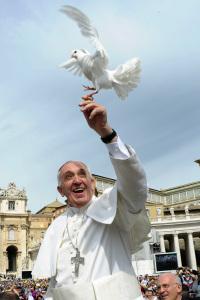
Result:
<point x="77" y="179"/>
<point x="162" y="290"/>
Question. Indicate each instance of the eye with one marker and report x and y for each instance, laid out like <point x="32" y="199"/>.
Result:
<point x="75" y="51"/>
<point x="82" y="173"/>
<point x="68" y="176"/>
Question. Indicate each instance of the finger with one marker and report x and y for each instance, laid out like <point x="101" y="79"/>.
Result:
<point x="85" y="102"/>
<point x="95" y="112"/>
<point x="87" y="97"/>
<point x="88" y="106"/>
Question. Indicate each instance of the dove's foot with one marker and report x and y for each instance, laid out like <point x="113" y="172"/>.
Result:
<point x="89" y="88"/>
<point x="89" y="96"/>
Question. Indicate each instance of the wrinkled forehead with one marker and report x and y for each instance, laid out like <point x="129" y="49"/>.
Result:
<point x="70" y="164"/>
<point x="167" y="279"/>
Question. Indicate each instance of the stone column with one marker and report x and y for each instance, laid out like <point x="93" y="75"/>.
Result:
<point x="177" y="249"/>
<point x="23" y="249"/>
<point x="5" y="262"/>
<point x="187" y="214"/>
<point x="190" y="251"/>
<point x="1" y="249"/>
<point x="30" y="263"/>
<point x="19" y="264"/>
<point x="172" y="213"/>
<point x="159" y="213"/>
<point x="162" y="243"/>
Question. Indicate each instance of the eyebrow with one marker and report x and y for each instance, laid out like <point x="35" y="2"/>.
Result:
<point x="71" y="172"/>
<point x="82" y="170"/>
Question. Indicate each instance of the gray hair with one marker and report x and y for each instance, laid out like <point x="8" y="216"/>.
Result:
<point x="73" y="162"/>
<point x="176" y="277"/>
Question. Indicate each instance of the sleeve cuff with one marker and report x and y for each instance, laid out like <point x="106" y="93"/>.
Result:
<point x="118" y="149"/>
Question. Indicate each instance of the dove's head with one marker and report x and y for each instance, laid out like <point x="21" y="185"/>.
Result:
<point x="79" y="53"/>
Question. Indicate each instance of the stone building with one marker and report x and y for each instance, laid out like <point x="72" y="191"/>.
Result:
<point x="175" y="221"/>
<point x="174" y="214"/>
<point x="20" y="231"/>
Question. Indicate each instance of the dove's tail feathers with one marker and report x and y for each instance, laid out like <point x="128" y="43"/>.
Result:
<point x="126" y="77"/>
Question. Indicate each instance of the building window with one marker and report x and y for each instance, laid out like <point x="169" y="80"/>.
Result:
<point x="197" y="192"/>
<point x="190" y="194"/>
<point x="11" y="205"/>
<point x="176" y="197"/>
<point x="183" y="196"/>
<point x="11" y="234"/>
<point x="169" y="199"/>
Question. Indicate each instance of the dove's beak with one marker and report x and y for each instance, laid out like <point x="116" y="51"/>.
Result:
<point x="74" y="56"/>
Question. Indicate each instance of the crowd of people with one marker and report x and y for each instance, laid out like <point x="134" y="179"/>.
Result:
<point x="185" y="282"/>
<point x="23" y="289"/>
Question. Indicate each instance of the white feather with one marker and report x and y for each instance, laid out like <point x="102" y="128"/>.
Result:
<point x="94" y="67"/>
<point x="86" y="28"/>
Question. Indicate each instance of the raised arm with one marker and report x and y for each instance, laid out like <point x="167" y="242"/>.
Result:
<point x="96" y="117"/>
<point x="131" y="179"/>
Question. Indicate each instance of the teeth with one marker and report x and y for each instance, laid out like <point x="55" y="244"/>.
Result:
<point x="78" y="190"/>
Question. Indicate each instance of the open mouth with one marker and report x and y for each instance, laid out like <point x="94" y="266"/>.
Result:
<point x="78" y="190"/>
<point x="79" y="193"/>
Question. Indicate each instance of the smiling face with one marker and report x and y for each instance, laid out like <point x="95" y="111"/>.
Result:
<point x="169" y="287"/>
<point x="76" y="183"/>
<point x="149" y="294"/>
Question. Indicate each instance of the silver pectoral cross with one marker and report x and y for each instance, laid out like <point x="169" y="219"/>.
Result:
<point x="77" y="260"/>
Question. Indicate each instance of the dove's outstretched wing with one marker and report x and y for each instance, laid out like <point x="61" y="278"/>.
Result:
<point x="72" y="65"/>
<point x="100" y="57"/>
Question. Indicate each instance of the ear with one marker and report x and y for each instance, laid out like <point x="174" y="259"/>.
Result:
<point x="59" y="189"/>
<point x="93" y="182"/>
<point x="179" y="288"/>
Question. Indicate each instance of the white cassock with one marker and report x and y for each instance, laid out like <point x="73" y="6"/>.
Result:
<point x="107" y="231"/>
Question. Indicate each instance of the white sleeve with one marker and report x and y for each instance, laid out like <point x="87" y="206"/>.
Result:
<point x="118" y="150"/>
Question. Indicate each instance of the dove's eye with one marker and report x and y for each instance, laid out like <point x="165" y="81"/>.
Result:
<point x="75" y="51"/>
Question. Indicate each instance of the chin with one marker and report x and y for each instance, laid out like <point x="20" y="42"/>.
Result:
<point x="80" y="203"/>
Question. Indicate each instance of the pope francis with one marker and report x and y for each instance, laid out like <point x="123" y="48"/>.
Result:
<point x="86" y="252"/>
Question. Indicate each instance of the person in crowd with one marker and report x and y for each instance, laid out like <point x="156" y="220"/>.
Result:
<point x="9" y="296"/>
<point x="187" y="279"/>
<point x="169" y="287"/>
<point x="39" y="297"/>
<point x="144" y="281"/>
<point x="87" y="251"/>
<point x="149" y="294"/>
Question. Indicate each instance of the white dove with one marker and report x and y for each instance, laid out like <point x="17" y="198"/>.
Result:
<point x="94" y="67"/>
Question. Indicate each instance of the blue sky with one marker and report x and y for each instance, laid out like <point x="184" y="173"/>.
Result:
<point x="41" y="125"/>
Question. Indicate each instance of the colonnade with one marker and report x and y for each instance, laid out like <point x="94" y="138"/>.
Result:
<point x="173" y="240"/>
